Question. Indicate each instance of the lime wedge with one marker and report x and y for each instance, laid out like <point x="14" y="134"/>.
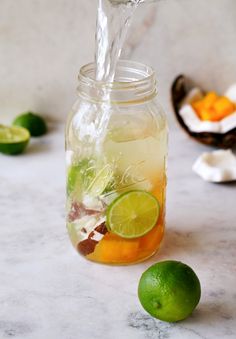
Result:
<point x="133" y="214"/>
<point x="13" y="140"/>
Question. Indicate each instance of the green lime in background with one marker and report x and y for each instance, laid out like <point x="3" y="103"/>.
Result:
<point x="13" y="140"/>
<point x="169" y="291"/>
<point x="32" y="122"/>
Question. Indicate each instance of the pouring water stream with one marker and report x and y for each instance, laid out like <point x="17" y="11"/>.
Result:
<point x="113" y="20"/>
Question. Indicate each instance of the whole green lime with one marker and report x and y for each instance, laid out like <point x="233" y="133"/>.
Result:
<point x="32" y="122"/>
<point x="169" y="291"/>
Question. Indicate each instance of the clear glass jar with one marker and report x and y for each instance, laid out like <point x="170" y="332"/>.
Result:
<point x="116" y="149"/>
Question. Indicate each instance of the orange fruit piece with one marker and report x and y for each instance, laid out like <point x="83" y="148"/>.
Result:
<point x="223" y="107"/>
<point x="209" y="99"/>
<point x="150" y="242"/>
<point x="208" y="114"/>
<point x="213" y="107"/>
<point x="203" y="107"/>
<point x="198" y="106"/>
<point x="113" y="248"/>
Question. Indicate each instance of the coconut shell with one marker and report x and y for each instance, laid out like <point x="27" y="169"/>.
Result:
<point x="180" y="88"/>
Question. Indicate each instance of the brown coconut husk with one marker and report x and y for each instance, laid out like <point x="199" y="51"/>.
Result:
<point x="180" y="88"/>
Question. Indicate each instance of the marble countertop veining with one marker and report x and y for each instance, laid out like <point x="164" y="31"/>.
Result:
<point x="47" y="291"/>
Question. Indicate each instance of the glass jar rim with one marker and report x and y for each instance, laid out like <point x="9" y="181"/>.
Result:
<point x="134" y="83"/>
<point x="145" y="72"/>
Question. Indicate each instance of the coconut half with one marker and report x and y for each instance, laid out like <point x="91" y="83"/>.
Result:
<point x="221" y="134"/>
<point x="218" y="166"/>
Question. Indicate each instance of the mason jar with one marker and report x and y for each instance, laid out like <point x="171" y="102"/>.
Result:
<point x="116" y="150"/>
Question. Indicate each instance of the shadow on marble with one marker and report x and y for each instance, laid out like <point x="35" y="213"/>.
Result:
<point x="52" y="124"/>
<point x="37" y="146"/>
<point x="176" y="243"/>
<point x="228" y="184"/>
<point x="210" y="313"/>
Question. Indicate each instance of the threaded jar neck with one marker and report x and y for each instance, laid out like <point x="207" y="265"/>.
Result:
<point x="134" y="83"/>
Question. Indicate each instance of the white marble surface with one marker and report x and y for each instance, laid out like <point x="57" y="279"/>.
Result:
<point x="48" y="291"/>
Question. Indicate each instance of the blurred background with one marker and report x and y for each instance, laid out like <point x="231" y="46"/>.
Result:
<point x="44" y="43"/>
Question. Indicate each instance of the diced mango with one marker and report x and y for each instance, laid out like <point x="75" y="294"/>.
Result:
<point x="198" y="106"/>
<point x="209" y="99"/>
<point x="114" y="249"/>
<point x="159" y="191"/>
<point x="151" y="241"/>
<point x="208" y="114"/>
<point x="213" y="107"/>
<point x="223" y="107"/>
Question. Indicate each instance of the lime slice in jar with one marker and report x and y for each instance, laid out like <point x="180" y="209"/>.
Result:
<point x="80" y="176"/>
<point x="89" y="177"/>
<point x="13" y="140"/>
<point x="101" y="181"/>
<point x="133" y="214"/>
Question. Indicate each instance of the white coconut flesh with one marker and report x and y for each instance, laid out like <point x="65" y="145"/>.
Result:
<point x="231" y="93"/>
<point x="218" y="166"/>
<point x="195" y="124"/>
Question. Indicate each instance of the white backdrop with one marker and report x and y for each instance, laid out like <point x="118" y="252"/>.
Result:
<point x="43" y="44"/>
